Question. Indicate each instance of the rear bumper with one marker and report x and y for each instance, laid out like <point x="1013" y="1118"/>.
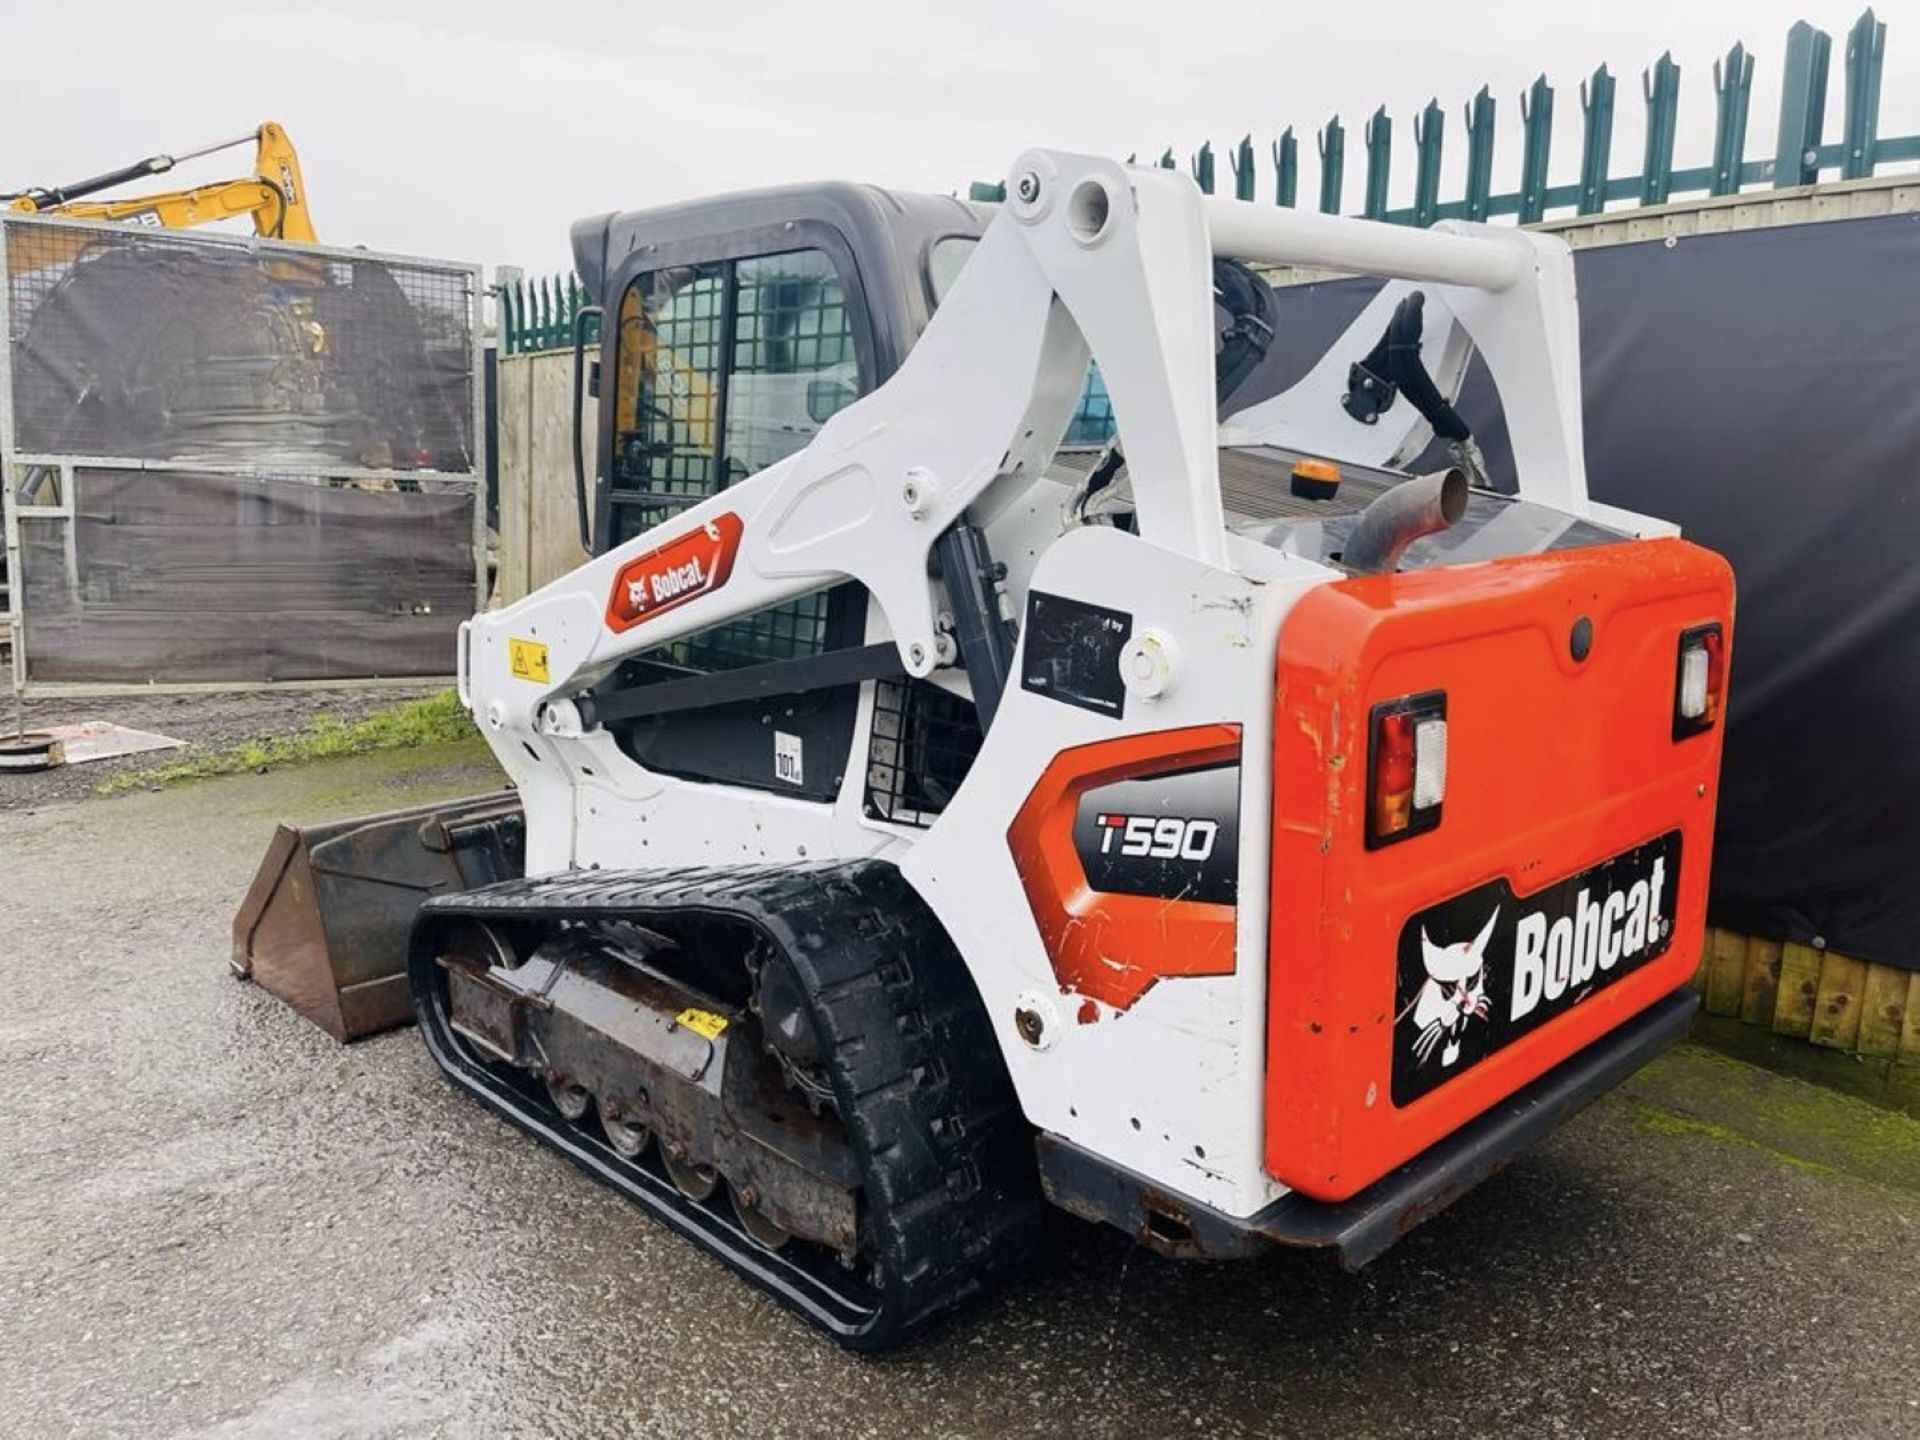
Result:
<point x="1363" y="1227"/>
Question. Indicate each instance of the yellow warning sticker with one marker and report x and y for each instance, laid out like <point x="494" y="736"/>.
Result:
<point x="527" y="659"/>
<point x="701" y="1022"/>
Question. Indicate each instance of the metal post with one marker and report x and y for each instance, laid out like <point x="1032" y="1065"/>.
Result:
<point x="1429" y="134"/>
<point x="477" y="362"/>
<point x="1245" y="182"/>
<point x="1286" y="169"/>
<point x="1480" y="115"/>
<point x="507" y="280"/>
<point x="1661" y="85"/>
<point x="1596" y="99"/>
<point x="1203" y="168"/>
<point x="1536" y="111"/>
<point x="1866" y="53"/>
<point x="1732" y="85"/>
<point x="1803" y="107"/>
<point x="9" y="521"/>
<point x="1333" y="165"/>
<point x="1379" y="141"/>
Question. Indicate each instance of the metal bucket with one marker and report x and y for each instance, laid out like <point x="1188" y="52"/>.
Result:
<point x="324" y="924"/>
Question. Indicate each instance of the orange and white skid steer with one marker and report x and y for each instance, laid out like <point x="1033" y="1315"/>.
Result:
<point x="1220" y="832"/>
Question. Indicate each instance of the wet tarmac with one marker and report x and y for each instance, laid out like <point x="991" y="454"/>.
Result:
<point x="216" y="1222"/>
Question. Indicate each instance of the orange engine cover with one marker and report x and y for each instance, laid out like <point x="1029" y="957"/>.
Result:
<point x="1562" y="891"/>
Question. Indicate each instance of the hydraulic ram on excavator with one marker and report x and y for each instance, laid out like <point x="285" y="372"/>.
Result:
<point x="273" y="197"/>
<point x="1227" y="834"/>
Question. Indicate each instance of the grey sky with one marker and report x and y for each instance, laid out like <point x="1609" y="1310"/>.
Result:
<point x="478" y="130"/>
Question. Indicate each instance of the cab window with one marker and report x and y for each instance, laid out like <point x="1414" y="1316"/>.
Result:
<point x="722" y="369"/>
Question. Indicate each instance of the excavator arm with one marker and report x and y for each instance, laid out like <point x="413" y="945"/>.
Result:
<point x="274" y="195"/>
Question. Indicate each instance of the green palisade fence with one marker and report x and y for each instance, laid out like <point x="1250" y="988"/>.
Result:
<point x="537" y="314"/>
<point x="1802" y="155"/>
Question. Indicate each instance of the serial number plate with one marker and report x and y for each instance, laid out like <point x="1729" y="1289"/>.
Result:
<point x="1480" y="970"/>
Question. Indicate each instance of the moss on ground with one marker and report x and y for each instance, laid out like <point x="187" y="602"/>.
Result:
<point x="1694" y="1092"/>
<point x="436" y="720"/>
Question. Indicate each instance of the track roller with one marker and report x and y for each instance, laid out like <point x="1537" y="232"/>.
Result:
<point x="572" y="1101"/>
<point x="805" y="1035"/>
<point x="762" y="1227"/>
<point x="695" y="1181"/>
<point x="628" y="1138"/>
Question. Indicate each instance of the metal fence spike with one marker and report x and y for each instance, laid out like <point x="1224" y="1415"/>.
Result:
<point x="1379" y="141"/>
<point x="1661" y="86"/>
<point x="1333" y="166"/>
<point x="1536" y="113"/>
<point x="1596" y="100"/>
<point x="1480" y="117"/>
<point x="1732" y="86"/>
<point x="1866" y="54"/>
<point x="1429" y="136"/>
<point x="1803" y="107"/>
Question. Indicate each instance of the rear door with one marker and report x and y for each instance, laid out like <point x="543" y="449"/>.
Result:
<point x="1441" y="938"/>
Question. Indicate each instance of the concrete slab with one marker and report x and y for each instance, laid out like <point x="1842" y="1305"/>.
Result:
<point x="218" y="1222"/>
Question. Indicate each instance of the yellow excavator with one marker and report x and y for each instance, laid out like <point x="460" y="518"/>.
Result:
<point x="274" y="195"/>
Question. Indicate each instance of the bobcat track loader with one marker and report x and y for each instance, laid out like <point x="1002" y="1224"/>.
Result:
<point x="1224" y="833"/>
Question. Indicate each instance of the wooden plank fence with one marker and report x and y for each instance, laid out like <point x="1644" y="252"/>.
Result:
<point x="539" y="522"/>
<point x="1866" y="1015"/>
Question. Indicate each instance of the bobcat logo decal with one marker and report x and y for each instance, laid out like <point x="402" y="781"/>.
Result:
<point x="1532" y="959"/>
<point x="1453" y="995"/>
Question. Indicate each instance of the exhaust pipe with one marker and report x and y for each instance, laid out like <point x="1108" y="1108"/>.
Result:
<point x="1424" y="505"/>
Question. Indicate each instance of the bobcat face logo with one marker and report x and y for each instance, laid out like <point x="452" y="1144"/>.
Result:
<point x="1453" y="995"/>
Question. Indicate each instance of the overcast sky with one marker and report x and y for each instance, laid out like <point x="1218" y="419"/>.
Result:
<point x="479" y="130"/>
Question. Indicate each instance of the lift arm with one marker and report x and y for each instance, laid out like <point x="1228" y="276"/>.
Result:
<point x="274" y="195"/>
<point x="1087" y="260"/>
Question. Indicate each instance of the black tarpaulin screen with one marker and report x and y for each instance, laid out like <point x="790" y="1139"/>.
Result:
<point x="156" y="346"/>
<point x="181" y="577"/>
<point x="1762" y="389"/>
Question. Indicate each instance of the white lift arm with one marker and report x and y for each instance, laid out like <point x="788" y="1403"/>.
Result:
<point x="1089" y="259"/>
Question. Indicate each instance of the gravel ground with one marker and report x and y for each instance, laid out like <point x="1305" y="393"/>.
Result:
<point x="220" y="1223"/>
<point x="200" y="719"/>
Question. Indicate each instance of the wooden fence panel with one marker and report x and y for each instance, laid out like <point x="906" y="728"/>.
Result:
<point x="539" y="519"/>
<point x="1798" y="990"/>
<point x="1836" y="1011"/>
<point x="515" y="414"/>
<point x="1761" y="991"/>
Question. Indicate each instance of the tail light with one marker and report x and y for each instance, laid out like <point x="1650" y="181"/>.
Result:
<point x="1700" y="680"/>
<point x="1406" y="767"/>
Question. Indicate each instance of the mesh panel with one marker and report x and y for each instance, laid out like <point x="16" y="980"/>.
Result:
<point x="1092" y="422"/>
<point x="671" y="325"/>
<point x="781" y="324"/>
<point x="793" y="357"/>
<point x="150" y="345"/>
<point x="923" y="742"/>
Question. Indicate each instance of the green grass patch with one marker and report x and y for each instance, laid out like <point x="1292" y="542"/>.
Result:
<point x="437" y="720"/>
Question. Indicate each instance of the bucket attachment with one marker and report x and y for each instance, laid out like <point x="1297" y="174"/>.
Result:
<point x="325" y="923"/>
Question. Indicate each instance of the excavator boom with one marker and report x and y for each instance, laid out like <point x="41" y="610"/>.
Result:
<point x="274" y="195"/>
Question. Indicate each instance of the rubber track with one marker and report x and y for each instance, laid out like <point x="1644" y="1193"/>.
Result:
<point x="946" y="1157"/>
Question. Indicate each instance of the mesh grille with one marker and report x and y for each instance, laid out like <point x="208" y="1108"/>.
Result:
<point x="923" y="742"/>
<point x="1092" y="422"/>
<point x="149" y="345"/>
<point x="688" y="426"/>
